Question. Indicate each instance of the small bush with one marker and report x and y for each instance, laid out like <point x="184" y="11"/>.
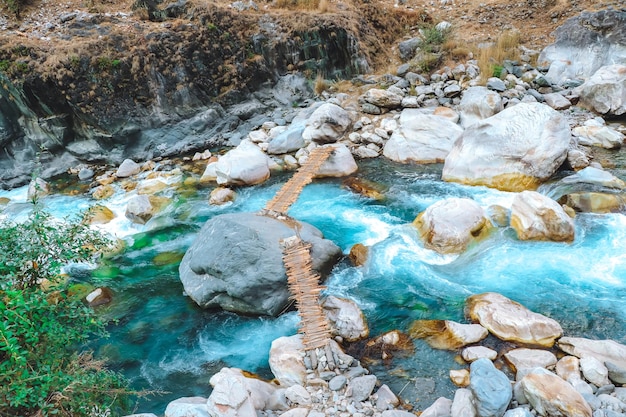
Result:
<point x="490" y="57"/>
<point x="42" y="332"/>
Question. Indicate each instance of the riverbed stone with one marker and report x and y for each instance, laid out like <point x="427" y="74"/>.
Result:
<point x="99" y="296"/>
<point x="187" y="407"/>
<point x="242" y="271"/>
<point x="221" y="195"/>
<point x="595" y="176"/>
<point x="549" y="395"/>
<point x="518" y="412"/>
<point x="287" y="360"/>
<point x="509" y="320"/>
<point x="605" y="91"/>
<point x="603" y="350"/>
<point x="478" y="103"/>
<point x="127" y="168"/>
<point x="328" y="123"/>
<point x="98" y="214"/>
<point x="594" y="371"/>
<point x="287" y="141"/>
<point x="362" y="387"/>
<point x="337" y="383"/>
<point x="460" y="377"/>
<point x="491" y="388"/>
<point x="598" y="135"/>
<point x="385" y="398"/>
<point x="139" y="209"/>
<point x="451" y="225"/>
<point x="422" y="138"/>
<point x="463" y="404"/>
<point x="514" y="150"/>
<point x="557" y="101"/>
<point x="472" y="353"/>
<point x="447" y="334"/>
<point x="523" y="358"/>
<point x="568" y="368"/>
<point x="537" y="217"/>
<point x="340" y="163"/>
<point x="345" y="318"/>
<point x="617" y="374"/>
<point x="382" y="98"/>
<point x="298" y="395"/>
<point x="440" y="408"/>
<point x="246" y="164"/>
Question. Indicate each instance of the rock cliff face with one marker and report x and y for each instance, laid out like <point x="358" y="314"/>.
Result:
<point x="111" y="87"/>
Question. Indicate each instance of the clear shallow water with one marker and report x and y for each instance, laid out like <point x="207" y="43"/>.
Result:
<point x="163" y="341"/>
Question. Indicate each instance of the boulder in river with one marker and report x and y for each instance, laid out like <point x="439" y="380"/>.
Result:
<point x="345" y="318"/>
<point x="515" y="150"/>
<point x="509" y="320"/>
<point x="537" y="217"/>
<point x="450" y="225"/>
<point x="340" y="163"/>
<point x="244" y="165"/>
<point x="236" y="263"/>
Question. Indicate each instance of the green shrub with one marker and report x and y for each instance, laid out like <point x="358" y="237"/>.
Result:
<point x="44" y="369"/>
<point x="14" y="6"/>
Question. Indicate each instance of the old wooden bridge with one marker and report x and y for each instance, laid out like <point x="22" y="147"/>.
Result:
<point x="303" y="282"/>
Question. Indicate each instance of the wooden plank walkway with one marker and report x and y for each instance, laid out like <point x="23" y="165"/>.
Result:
<point x="290" y="192"/>
<point x="304" y="286"/>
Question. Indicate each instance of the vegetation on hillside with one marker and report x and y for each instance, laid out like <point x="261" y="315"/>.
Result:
<point x="44" y="369"/>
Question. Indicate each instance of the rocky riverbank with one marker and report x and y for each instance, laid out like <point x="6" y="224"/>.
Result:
<point x="514" y="133"/>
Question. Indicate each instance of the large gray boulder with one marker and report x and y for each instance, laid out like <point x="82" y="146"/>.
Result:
<point x="244" y="165"/>
<point x="605" y="91"/>
<point x="327" y="124"/>
<point x="422" y="138"/>
<point x="515" y="150"/>
<point x="491" y="388"/>
<point x="584" y="44"/>
<point x="236" y="264"/>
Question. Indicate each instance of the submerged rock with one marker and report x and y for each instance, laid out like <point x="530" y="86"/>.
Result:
<point x="221" y="195"/>
<point x="451" y="225"/>
<point x="515" y="150"/>
<point x="345" y="318"/>
<point x="446" y="334"/>
<point x="236" y="263"/>
<point x="509" y="320"/>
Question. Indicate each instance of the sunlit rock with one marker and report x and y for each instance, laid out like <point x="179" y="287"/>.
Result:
<point x="209" y="174"/>
<point x="537" y="217"/>
<point x="287" y="360"/>
<point x="221" y="195"/>
<point x="472" y="353"/>
<point x="139" y="209"/>
<point x="243" y="270"/>
<point x="358" y="254"/>
<point x="451" y="225"/>
<point x="491" y="388"/>
<point x="290" y="140"/>
<point x="568" y="368"/>
<point x="603" y="350"/>
<point x="530" y="358"/>
<point x="4" y="201"/>
<point x="460" y="377"/>
<point x="605" y="91"/>
<point x="549" y="395"/>
<point x="478" y="103"/>
<point x="98" y="214"/>
<point x="515" y="150"/>
<point x="446" y="334"/>
<point x="167" y="258"/>
<point x="244" y="165"/>
<point x="340" y="163"/>
<point x="127" y="168"/>
<point x="509" y="320"/>
<point x="345" y="318"/>
<point x="187" y="407"/>
<point x="327" y="124"/>
<point x="385" y="398"/>
<point x="421" y="138"/>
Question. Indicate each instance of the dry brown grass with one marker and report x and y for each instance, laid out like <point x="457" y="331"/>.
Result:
<point x="505" y="47"/>
<point x="320" y="85"/>
<point x="298" y="4"/>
